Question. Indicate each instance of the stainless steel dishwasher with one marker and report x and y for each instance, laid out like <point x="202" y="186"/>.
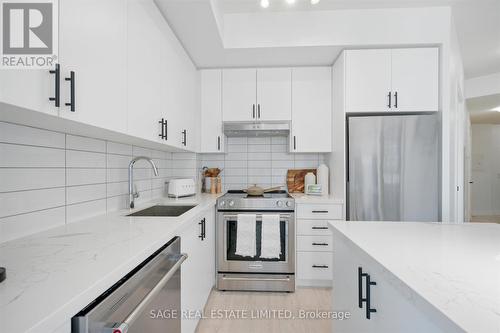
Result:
<point x="147" y="299"/>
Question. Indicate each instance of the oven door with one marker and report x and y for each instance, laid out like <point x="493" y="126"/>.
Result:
<point x="228" y="261"/>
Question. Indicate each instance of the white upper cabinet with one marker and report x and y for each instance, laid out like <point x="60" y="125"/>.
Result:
<point x="415" y="79"/>
<point x="274" y="94"/>
<point x="239" y="89"/>
<point x="99" y="78"/>
<point x="368" y="80"/>
<point x="311" y="110"/>
<point x="212" y="138"/>
<point x="392" y="80"/>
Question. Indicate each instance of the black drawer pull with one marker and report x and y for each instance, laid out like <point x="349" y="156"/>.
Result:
<point x="320" y="266"/>
<point x="369" y="283"/>
<point x="320" y="244"/>
<point x="162" y="135"/>
<point x="57" y="86"/>
<point x="361" y="275"/>
<point x="319" y="228"/>
<point x="71" y="80"/>
<point x="320" y="211"/>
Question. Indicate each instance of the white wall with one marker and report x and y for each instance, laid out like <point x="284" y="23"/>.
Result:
<point x="483" y="85"/>
<point x="485" y="169"/>
<point x="51" y="178"/>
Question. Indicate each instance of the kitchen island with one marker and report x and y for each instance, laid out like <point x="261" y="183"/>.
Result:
<point x="54" y="274"/>
<point x="430" y="277"/>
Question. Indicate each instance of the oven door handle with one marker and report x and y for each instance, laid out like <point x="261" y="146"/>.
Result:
<point x="254" y="279"/>
<point x="258" y="216"/>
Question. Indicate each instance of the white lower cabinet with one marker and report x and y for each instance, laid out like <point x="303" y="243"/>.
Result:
<point x="314" y="243"/>
<point x="198" y="271"/>
<point x="394" y="310"/>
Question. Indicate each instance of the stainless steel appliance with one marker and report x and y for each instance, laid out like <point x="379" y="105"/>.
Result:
<point x="235" y="272"/>
<point x="392" y="172"/>
<point x="145" y="300"/>
<point x="246" y="129"/>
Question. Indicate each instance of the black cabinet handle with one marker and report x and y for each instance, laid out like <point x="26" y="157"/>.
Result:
<point x="204" y="228"/>
<point x="361" y="275"/>
<point x="162" y="135"/>
<point x="57" y="88"/>
<point x="320" y="211"/>
<point x="294" y="142"/>
<point x="389" y="104"/>
<point x="396" y="99"/>
<point x="320" y="266"/>
<point x="253" y="111"/>
<point x="369" y="283"/>
<point x="319" y="228"/>
<point x="218" y="143"/>
<point x="320" y="244"/>
<point x="200" y="236"/>
<point x="203" y="223"/>
<point x="184" y="141"/>
<point x="71" y="80"/>
<point x="258" y="111"/>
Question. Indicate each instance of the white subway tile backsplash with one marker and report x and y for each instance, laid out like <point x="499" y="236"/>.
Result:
<point x="16" y="156"/>
<point x="259" y="157"/>
<point x="236" y="156"/>
<point x="259" y="141"/>
<point x="237" y="141"/>
<point x="279" y="140"/>
<point x="49" y="178"/>
<point x="86" y="144"/>
<point x="76" y="194"/>
<point x="85" y="176"/>
<point x="85" y="210"/>
<point x="13" y="203"/>
<point x="24" y="135"/>
<point x="25" y="224"/>
<point x="259" y="164"/>
<point x="29" y="179"/>
<point x="83" y="159"/>
<point x="237" y="148"/>
<point x="259" y="148"/>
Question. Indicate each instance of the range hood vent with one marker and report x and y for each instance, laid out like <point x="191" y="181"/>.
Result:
<point x="247" y="129"/>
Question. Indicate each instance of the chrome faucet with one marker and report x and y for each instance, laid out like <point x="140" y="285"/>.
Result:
<point x="131" y="193"/>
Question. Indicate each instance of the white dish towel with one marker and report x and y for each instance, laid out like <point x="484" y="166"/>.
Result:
<point x="246" y="238"/>
<point x="270" y="244"/>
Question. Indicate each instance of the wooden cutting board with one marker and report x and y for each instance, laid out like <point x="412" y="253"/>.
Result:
<point x="295" y="179"/>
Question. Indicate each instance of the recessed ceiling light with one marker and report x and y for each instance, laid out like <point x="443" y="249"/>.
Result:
<point x="264" y="3"/>
<point x="497" y="109"/>
<point x="290" y="2"/>
<point x="315" y="2"/>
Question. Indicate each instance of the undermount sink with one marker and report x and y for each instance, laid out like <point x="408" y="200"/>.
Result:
<point x="160" y="210"/>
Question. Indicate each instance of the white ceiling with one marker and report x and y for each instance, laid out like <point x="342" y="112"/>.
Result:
<point x="194" y="22"/>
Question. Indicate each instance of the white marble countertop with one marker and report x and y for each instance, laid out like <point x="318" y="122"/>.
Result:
<point x="301" y="198"/>
<point x="54" y="274"/>
<point x="454" y="267"/>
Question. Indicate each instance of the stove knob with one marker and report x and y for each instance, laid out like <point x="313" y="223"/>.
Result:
<point x="279" y="203"/>
<point x="231" y="203"/>
<point x="222" y="203"/>
<point x="289" y="204"/>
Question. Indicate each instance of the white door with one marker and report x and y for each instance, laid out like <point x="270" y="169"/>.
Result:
<point x="93" y="44"/>
<point x="415" y="79"/>
<point x="212" y="139"/>
<point x="144" y="69"/>
<point x="368" y="80"/>
<point x="311" y="110"/>
<point x="208" y="256"/>
<point x="274" y="94"/>
<point x="29" y="88"/>
<point x="239" y="89"/>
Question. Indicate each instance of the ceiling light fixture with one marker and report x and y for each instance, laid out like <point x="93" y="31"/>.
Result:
<point x="290" y="2"/>
<point x="264" y="3"/>
<point x="497" y="109"/>
<point x="315" y="2"/>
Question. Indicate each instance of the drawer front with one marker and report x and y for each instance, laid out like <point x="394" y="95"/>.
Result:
<point x="319" y="211"/>
<point x="315" y="243"/>
<point x="313" y="228"/>
<point x="314" y="265"/>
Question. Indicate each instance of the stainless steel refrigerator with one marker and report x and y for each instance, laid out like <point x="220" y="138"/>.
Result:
<point x="393" y="168"/>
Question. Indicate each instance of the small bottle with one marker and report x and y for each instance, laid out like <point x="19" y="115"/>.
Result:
<point x="219" y="185"/>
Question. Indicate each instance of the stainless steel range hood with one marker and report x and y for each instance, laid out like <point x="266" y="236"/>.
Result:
<point x="256" y="129"/>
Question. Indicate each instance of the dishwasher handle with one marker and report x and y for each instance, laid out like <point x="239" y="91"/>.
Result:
<point x="136" y="312"/>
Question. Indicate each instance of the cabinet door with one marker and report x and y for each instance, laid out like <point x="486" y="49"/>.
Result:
<point x="28" y="88"/>
<point x="144" y="46"/>
<point x="239" y="88"/>
<point x="368" y="80"/>
<point x="274" y="94"/>
<point x="415" y="79"/>
<point x="311" y="110"/>
<point x="93" y="44"/>
<point x="208" y="254"/>
<point x="212" y="138"/>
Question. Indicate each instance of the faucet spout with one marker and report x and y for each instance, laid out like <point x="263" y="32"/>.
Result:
<point x="131" y="193"/>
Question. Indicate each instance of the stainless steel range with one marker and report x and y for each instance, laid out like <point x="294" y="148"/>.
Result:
<point x="235" y="272"/>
